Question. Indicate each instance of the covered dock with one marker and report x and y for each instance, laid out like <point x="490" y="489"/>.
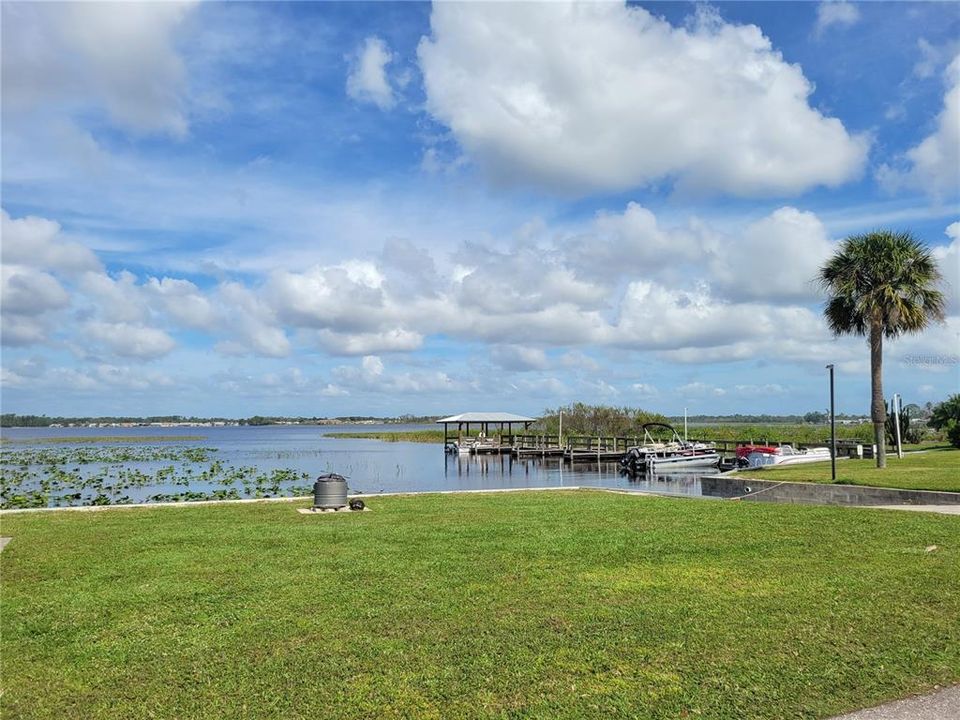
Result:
<point x="463" y="441"/>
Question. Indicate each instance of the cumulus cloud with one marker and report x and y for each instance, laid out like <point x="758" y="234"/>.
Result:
<point x="253" y="325"/>
<point x="33" y="254"/>
<point x="38" y="242"/>
<point x="948" y="260"/>
<point x="524" y="299"/>
<point x="86" y="56"/>
<point x="699" y="390"/>
<point x="129" y="340"/>
<point x="775" y="259"/>
<point x="601" y="96"/>
<point x="367" y="80"/>
<point x="27" y="292"/>
<point x="760" y="390"/>
<point x="184" y="302"/>
<point x="836" y="12"/>
<point x="371" y="376"/>
<point x="346" y="343"/>
<point x="518" y="357"/>
<point x="934" y="165"/>
<point x="117" y="299"/>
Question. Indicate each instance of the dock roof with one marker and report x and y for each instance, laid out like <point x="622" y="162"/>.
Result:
<point x="486" y="417"/>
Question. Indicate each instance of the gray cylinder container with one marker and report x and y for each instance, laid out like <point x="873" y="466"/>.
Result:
<point x="330" y="492"/>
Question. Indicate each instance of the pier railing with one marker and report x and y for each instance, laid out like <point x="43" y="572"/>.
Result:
<point x="532" y="442"/>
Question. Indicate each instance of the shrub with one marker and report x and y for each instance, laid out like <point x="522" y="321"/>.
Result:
<point x="953" y="433"/>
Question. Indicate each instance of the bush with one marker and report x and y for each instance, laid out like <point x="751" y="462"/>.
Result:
<point x="953" y="434"/>
<point x="596" y="420"/>
<point x="909" y="432"/>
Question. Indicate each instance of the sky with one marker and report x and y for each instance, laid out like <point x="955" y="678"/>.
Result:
<point x="323" y="209"/>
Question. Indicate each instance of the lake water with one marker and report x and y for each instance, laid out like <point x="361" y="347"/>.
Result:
<point x="253" y="462"/>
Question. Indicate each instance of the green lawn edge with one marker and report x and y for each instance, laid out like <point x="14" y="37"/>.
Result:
<point x="570" y="604"/>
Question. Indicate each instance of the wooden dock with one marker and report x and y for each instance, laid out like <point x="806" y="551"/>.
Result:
<point x="583" y="448"/>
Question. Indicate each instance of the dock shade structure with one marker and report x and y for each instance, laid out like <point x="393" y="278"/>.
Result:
<point x="482" y="421"/>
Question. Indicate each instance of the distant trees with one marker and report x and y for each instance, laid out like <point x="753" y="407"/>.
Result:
<point x="881" y="285"/>
<point x="14" y="420"/>
<point x="816" y="417"/>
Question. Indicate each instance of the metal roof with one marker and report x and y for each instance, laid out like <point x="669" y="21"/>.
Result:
<point x="486" y="417"/>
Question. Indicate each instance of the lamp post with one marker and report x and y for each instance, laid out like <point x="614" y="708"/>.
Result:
<point x="897" y="411"/>
<point x="833" y="431"/>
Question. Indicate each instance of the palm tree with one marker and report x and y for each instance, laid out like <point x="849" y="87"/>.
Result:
<point x="882" y="284"/>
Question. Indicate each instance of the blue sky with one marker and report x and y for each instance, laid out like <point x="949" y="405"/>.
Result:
<point x="385" y="208"/>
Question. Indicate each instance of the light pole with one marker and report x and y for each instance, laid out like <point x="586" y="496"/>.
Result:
<point x="833" y="431"/>
<point x="896" y="423"/>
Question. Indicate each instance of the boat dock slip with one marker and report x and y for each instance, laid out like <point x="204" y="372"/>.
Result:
<point x="482" y="442"/>
<point x="581" y="447"/>
<point x="536" y="445"/>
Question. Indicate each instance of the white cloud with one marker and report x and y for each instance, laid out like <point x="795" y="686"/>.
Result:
<point x="367" y="80"/>
<point x="645" y="389"/>
<point x="599" y="96"/>
<point x="948" y="260"/>
<point x="22" y="331"/>
<point x="348" y="297"/>
<point x="775" y="259"/>
<point x="519" y="357"/>
<point x="184" y="303"/>
<point x="396" y="340"/>
<point x="936" y="160"/>
<point x="28" y="292"/>
<point x="760" y="390"/>
<point x="371" y="376"/>
<point x="700" y="389"/>
<point x="37" y="262"/>
<point x="934" y="164"/>
<point x="129" y="340"/>
<point x="252" y="324"/>
<point x="37" y="242"/>
<point x="118" y="299"/>
<point x="836" y="12"/>
<point x="132" y="378"/>
<point x="119" y="57"/>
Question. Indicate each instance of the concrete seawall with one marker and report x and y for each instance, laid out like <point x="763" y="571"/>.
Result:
<point x="820" y="494"/>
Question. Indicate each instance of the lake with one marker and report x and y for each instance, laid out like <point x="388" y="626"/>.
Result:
<point x="268" y="461"/>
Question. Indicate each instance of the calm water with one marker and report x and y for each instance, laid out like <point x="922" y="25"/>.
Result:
<point x="372" y="466"/>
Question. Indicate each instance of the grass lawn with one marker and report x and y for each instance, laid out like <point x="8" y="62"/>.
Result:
<point x="932" y="470"/>
<point x="560" y="604"/>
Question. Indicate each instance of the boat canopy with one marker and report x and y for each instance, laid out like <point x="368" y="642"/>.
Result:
<point x="485" y="417"/>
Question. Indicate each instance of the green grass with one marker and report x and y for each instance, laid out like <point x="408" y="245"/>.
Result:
<point x="931" y="470"/>
<point x="780" y="433"/>
<point x="551" y="605"/>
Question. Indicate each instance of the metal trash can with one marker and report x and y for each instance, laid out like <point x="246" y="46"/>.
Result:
<point x="330" y="492"/>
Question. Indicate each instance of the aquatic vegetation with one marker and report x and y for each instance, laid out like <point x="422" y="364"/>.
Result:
<point x="100" y="439"/>
<point x="108" y="475"/>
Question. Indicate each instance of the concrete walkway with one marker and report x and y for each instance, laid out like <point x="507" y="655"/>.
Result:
<point x="941" y="704"/>
<point x="942" y="509"/>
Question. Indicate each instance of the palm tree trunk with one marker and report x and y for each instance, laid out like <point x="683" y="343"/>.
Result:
<point x="878" y="408"/>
